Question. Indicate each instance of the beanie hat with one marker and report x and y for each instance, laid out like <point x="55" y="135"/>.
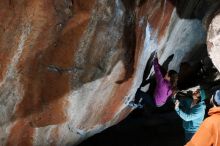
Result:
<point x="217" y="98"/>
<point x="202" y="94"/>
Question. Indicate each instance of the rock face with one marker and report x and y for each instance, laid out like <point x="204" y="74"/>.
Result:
<point x="69" y="67"/>
<point x="213" y="41"/>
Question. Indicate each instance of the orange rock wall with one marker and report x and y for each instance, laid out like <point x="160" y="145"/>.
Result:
<point x="69" y="67"/>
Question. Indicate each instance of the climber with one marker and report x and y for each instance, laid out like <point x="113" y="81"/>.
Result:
<point x="165" y="86"/>
<point x="192" y="110"/>
<point x="208" y="132"/>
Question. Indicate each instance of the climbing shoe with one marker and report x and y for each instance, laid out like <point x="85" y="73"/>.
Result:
<point x="135" y="105"/>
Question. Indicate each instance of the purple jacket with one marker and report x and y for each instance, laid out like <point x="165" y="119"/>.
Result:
<point x="163" y="87"/>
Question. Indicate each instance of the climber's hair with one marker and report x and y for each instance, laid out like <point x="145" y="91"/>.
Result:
<point x="173" y="79"/>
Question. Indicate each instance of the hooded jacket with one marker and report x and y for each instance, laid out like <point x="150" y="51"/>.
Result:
<point x="192" y="116"/>
<point x="163" y="87"/>
<point x="208" y="133"/>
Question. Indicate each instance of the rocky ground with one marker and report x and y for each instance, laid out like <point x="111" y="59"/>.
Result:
<point x="161" y="128"/>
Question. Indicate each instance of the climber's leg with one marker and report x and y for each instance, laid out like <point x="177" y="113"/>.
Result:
<point x="141" y="99"/>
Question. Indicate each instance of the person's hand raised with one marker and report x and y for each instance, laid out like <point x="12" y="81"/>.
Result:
<point x="155" y="55"/>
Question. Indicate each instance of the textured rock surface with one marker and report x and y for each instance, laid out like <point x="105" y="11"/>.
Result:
<point x="67" y="67"/>
<point x="213" y="41"/>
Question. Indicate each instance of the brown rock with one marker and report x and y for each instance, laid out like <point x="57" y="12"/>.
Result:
<point x="69" y="67"/>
